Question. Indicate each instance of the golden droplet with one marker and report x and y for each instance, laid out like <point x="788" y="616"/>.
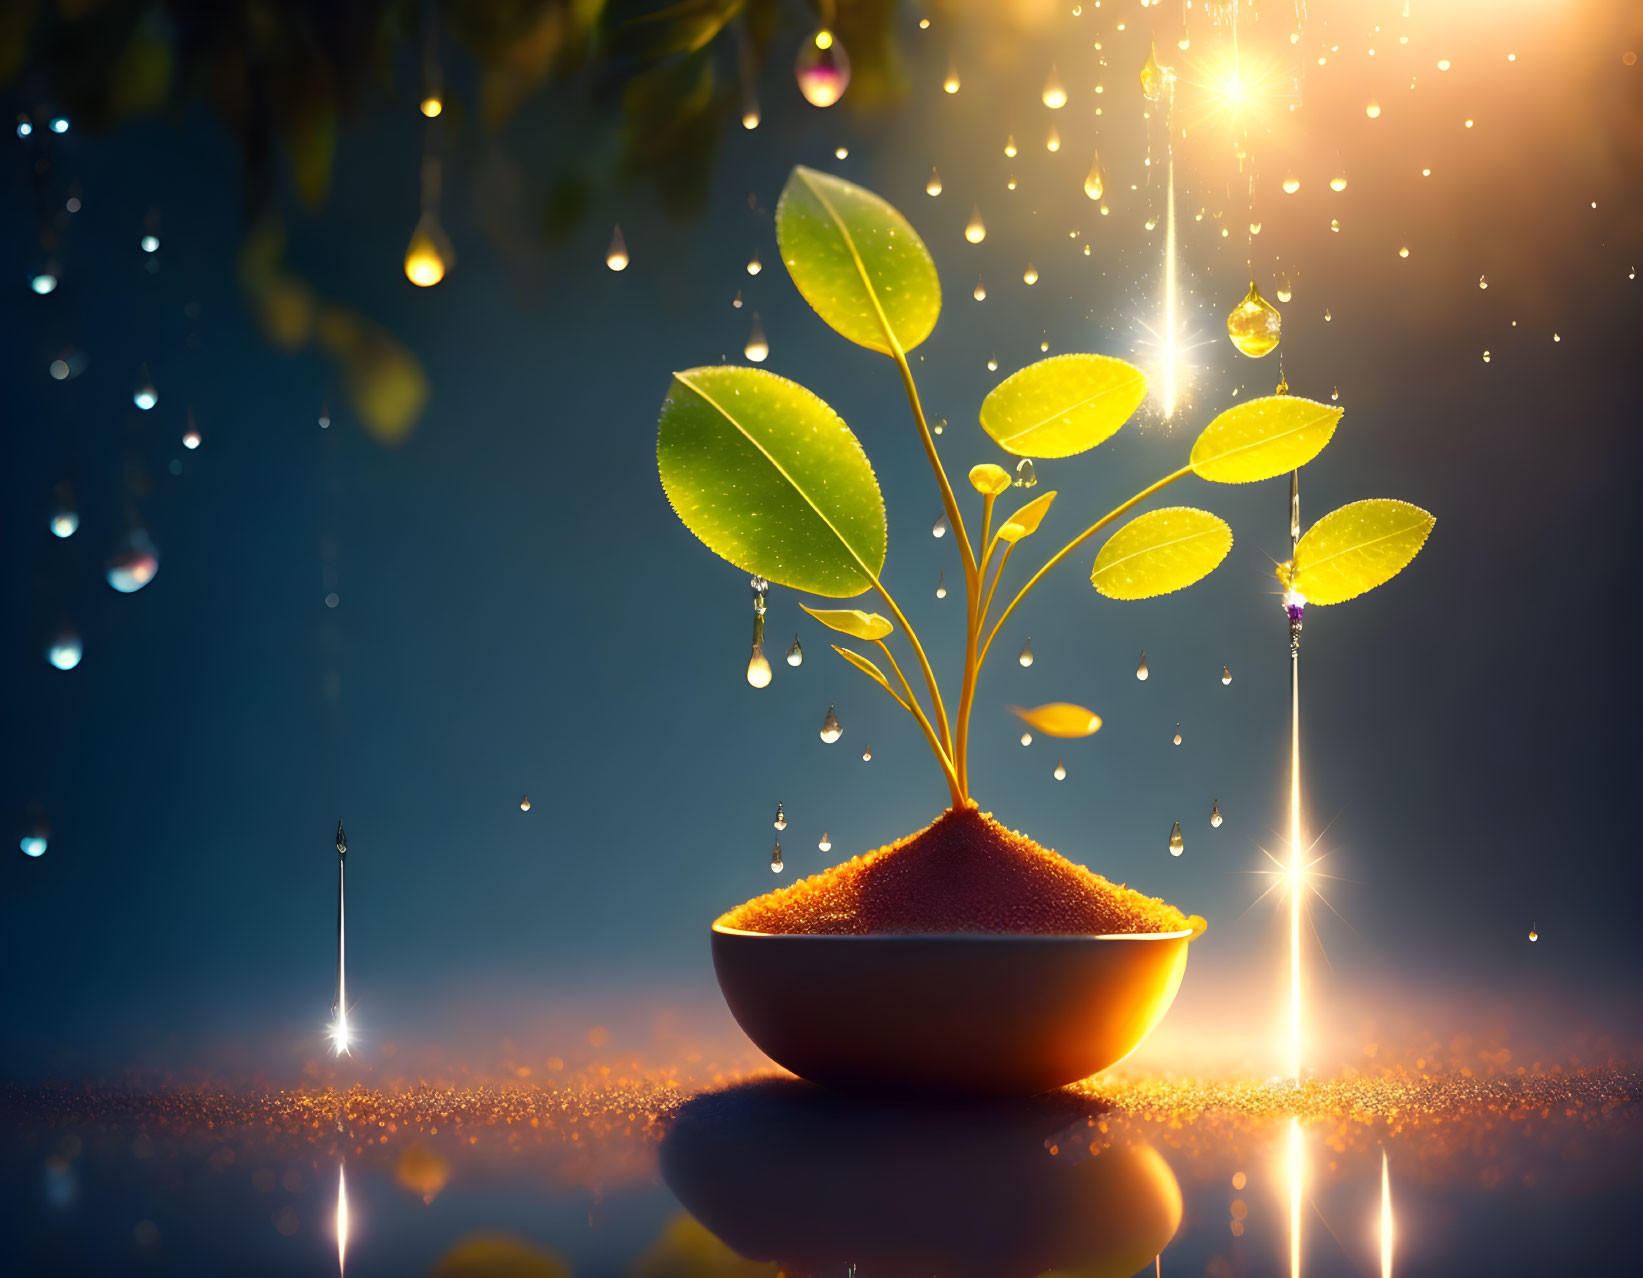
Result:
<point x="1095" y="182"/>
<point x="1254" y="324"/>
<point x="428" y="256"/>
<point x="1153" y="76"/>
<point x="867" y="755"/>
<point x="992" y="363"/>
<point x="1483" y="282"/>
<point x="1291" y="185"/>
<point x="1060" y="773"/>
<point x="1338" y="183"/>
<point x="432" y="105"/>
<point x="750" y="116"/>
<point x="525" y="803"/>
<point x="1215" y="814"/>
<point x="980" y="293"/>
<point x="822" y="69"/>
<point x="1009" y="147"/>
<point x="1373" y="110"/>
<point x="1141" y="670"/>
<point x="1026" y="474"/>
<point x="1026" y="658"/>
<point x="1226" y="676"/>
<point x="1533" y="935"/>
<point x="1026" y="738"/>
<point x="758" y="668"/>
<point x="1030" y="275"/>
<point x="1052" y="143"/>
<point x="757" y="348"/>
<point x="975" y="230"/>
<point x="1176" y="844"/>
<point x="616" y="256"/>
<point x="754" y="266"/>
<point x="933" y="186"/>
<point x="1403" y="250"/>
<point x="1055" y="93"/>
<point x="1177" y="737"/>
<point x="1282" y="388"/>
<point x="950" y="84"/>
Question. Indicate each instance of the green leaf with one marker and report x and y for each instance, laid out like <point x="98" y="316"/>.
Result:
<point x="1060" y="719"/>
<point x="1265" y="437"/>
<point x="870" y="670"/>
<point x="989" y="480"/>
<point x="1063" y="405"/>
<point x="1025" y="522"/>
<point x="770" y="478"/>
<point x="852" y="621"/>
<point x="1159" y="552"/>
<point x="857" y="261"/>
<point x="1358" y="547"/>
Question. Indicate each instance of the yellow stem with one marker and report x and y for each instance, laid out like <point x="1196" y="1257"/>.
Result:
<point x="949" y="503"/>
<point x="917" y="711"/>
<point x="924" y="665"/>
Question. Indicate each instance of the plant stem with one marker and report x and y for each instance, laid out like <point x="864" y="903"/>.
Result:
<point x="912" y="706"/>
<point x="924" y="665"/>
<point x="1072" y="545"/>
<point x="949" y="503"/>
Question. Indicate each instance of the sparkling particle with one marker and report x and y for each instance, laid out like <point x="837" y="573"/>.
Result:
<point x="754" y="266"/>
<point x="975" y="230"/>
<point x="1026" y="738"/>
<point x="757" y="349"/>
<point x="932" y="188"/>
<point x="32" y="845"/>
<point x="525" y="803"/>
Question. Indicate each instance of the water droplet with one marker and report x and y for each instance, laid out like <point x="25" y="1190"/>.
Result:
<point x="939" y="528"/>
<point x="992" y="364"/>
<point x="1533" y="934"/>
<point x="757" y="349"/>
<point x="1055" y="93"/>
<point x="867" y="755"/>
<point x="1215" y="814"/>
<point x="134" y="564"/>
<point x="1483" y="282"/>
<point x="831" y="730"/>
<point x="1177" y="734"/>
<point x="1030" y="275"/>
<point x="1327" y="315"/>
<point x="1026" y="658"/>
<point x="32" y="844"/>
<point x="795" y="654"/>
<point x="1176" y="844"/>
<point x="933" y="186"/>
<point x="64" y="652"/>
<point x="1026" y="475"/>
<point x="758" y="668"/>
<point x="825" y="843"/>
<point x="1284" y="290"/>
<point x="1485" y="357"/>
<point x="429" y="254"/>
<point x="1095" y="181"/>
<point x="65" y="520"/>
<point x="1141" y="670"/>
<point x="939" y="426"/>
<point x="1026" y="738"/>
<point x="432" y="105"/>
<point x="737" y="300"/>
<point x="941" y="585"/>
<point x="1060" y="773"/>
<point x="841" y="153"/>
<point x="750" y="115"/>
<point x="776" y="858"/>
<point x="1253" y="325"/>
<point x="1052" y="141"/>
<point x="1291" y="185"/>
<point x="754" y="266"/>
<point x="44" y="281"/>
<point x="1338" y="183"/>
<point x="1153" y="77"/>
<point x="616" y="256"/>
<point x="1282" y="388"/>
<point x="950" y="84"/>
<point x="524" y="803"/>
<point x="822" y="69"/>
<point x="150" y="243"/>
<point x="1226" y="676"/>
<point x="1403" y="250"/>
<point x="781" y="817"/>
<point x="1373" y="110"/>
<point x="1009" y="147"/>
<point x="145" y="396"/>
<point x="981" y="290"/>
<point x="975" y="230"/>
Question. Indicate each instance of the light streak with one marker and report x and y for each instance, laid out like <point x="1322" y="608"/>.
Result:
<point x="1386" y="1217"/>
<point x="1297" y="863"/>
<point x="342" y="1217"/>
<point x="1171" y="354"/>
<point x="1297" y="1181"/>
<point x="341" y="1035"/>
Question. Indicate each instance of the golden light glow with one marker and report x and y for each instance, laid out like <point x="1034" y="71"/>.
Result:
<point x="1386" y="1218"/>
<point x="427" y="256"/>
<point x="1296" y="1161"/>
<point x="342" y="1218"/>
<point x="432" y="105"/>
<point x="1297" y="869"/>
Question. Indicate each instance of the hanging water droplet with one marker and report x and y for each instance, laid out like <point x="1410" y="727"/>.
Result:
<point x="754" y="266"/>
<point x="145" y="396"/>
<point x="1254" y="324"/>
<point x="950" y="84"/>
<point x="32" y="844"/>
<point x="1009" y="147"/>
<point x="939" y="528"/>
<point x="1052" y="142"/>
<point x="757" y="349"/>
<point x="64" y="652"/>
<point x="1141" y="670"/>
<point x="933" y="186"/>
<point x="1026" y="658"/>
<point x="1060" y="773"/>
<point x="781" y="817"/>
<point x="975" y="230"/>
<point x="981" y="290"/>
<point x="825" y="843"/>
<point x="795" y="654"/>
<point x="758" y="668"/>
<point x="822" y="69"/>
<point x="1338" y="183"/>
<point x="1055" y="93"/>
<point x="939" y="426"/>
<point x="429" y="254"/>
<point x="1026" y="475"/>
<point x="1281" y="279"/>
<point x="1215" y="814"/>
<point x="1176" y="844"/>
<point x="616" y="256"/>
<point x="737" y="300"/>
<point x="1030" y="275"/>
<point x="776" y="858"/>
<point x="992" y="363"/>
<point x="1153" y="77"/>
<point x="1373" y="110"/>
<point x="44" y="280"/>
<point x="1291" y="185"/>
<point x="134" y="564"/>
<point x="1533" y="934"/>
<point x="1335" y="393"/>
<point x="1327" y="315"/>
<point x="1483" y="282"/>
<point x="831" y="731"/>
<point x="65" y="520"/>
<point x="941" y="585"/>
<point x="867" y="755"/>
<point x="750" y="114"/>
<point x="1226" y="676"/>
<point x="1026" y="738"/>
<point x="1177" y="734"/>
<point x="1095" y="182"/>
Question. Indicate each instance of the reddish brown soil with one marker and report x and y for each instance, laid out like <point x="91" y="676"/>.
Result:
<point x="965" y="873"/>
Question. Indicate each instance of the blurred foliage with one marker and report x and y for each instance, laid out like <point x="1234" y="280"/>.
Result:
<point x="640" y="93"/>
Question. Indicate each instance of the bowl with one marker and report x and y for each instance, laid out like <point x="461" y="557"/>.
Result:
<point x="963" y="1015"/>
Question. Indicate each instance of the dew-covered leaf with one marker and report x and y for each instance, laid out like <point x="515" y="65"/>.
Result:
<point x="852" y="621"/>
<point x="1358" y="547"/>
<point x="1025" y="521"/>
<point x="857" y="261"/>
<point x="1059" y="719"/>
<point x="1063" y="405"/>
<point x="1159" y="552"/>
<point x="770" y="478"/>
<point x="1262" y="438"/>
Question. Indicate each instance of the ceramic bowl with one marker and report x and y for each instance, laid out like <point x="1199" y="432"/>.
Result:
<point x="968" y="1015"/>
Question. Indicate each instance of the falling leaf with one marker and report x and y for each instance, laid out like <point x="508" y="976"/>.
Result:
<point x="1060" y="719"/>
<point x="853" y="622"/>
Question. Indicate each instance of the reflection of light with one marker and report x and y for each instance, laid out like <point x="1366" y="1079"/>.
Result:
<point x="342" y="1217"/>
<point x="1386" y="1218"/>
<point x="1297" y="870"/>
<point x="340" y="1033"/>
<point x="1297" y="1177"/>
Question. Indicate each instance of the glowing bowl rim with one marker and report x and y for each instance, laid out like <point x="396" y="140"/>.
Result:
<point x="1187" y="934"/>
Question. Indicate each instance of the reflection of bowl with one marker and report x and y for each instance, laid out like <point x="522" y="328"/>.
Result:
<point x="817" y="1182"/>
<point x="973" y="1014"/>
